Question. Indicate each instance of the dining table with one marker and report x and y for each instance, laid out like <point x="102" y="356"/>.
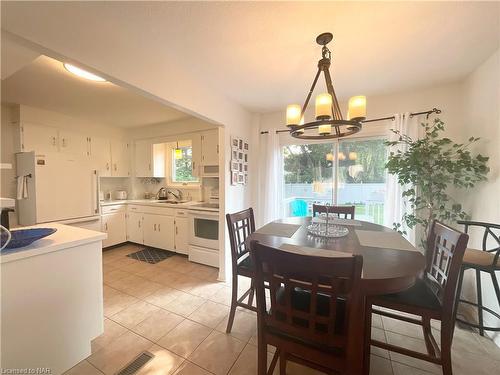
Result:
<point x="390" y="263"/>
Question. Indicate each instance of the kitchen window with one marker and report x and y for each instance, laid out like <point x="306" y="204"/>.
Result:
<point x="344" y="172"/>
<point x="181" y="163"/>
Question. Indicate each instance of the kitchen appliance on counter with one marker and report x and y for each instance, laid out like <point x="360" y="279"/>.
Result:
<point x="120" y="195"/>
<point x="59" y="188"/>
<point x="204" y="235"/>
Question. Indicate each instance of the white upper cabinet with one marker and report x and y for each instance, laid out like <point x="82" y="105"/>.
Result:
<point x="143" y="159"/>
<point x="100" y="155"/>
<point x="149" y="159"/>
<point x="74" y="143"/>
<point x="120" y="159"/>
<point x="39" y="138"/>
<point x="196" y="157"/>
<point x="210" y="147"/>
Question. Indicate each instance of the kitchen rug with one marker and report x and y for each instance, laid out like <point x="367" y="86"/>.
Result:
<point x="151" y="255"/>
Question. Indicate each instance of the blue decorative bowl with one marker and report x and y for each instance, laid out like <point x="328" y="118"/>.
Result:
<point x="24" y="237"/>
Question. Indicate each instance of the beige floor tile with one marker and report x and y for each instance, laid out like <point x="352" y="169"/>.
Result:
<point x="254" y="341"/>
<point x="206" y="273"/>
<point x="165" y="277"/>
<point x="244" y="325"/>
<point x="185" y="304"/>
<point x="121" y="351"/>
<point x="186" y="283"/>
<point x="207" y="289"/>
<point x="126" y="282"/>
<point x="217" y="353"/>
<point x="403" y="328"/>
<point x="491" y="348"/>
<point x="137" y="286"/>
<point x="293" y="368"/>
<point x="377" y="321"/>
<point x="379" y="334"/>
<point x="465" y="341"/>
<point x="139" y="267"/>
<point x="83" y="368"/>
<point x="157" y="324"/>
<point x="246" y="364"/>
<point x="186" y="267"/>
<point x="401" y="369"/>
<point x="163" y="363"/>
<point x="209" y="314"/>
<point x="223" y="296"/>
<point x="108" y="267"/>
<point x="188" y="368"/>
<point x="116" y="301"/>
<point x="380" y="366"/>
<point x="413" y="344"/>
<point x="162" y="297"/>
<point x="134" y="314"/>
<point x="185" y="338"/>
<point x="122" y="261"/>
<point x="114" y="275"/>
<point x="466" y="363"/>
<point x="112" y="330"/>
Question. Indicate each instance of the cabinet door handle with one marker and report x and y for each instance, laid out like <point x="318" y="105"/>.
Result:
<point x="53" y="141"/>
<point x="115" y="166"/>
<point x="149" y="166"/>
<point x="106" y="226"/>
<point x="107" y="166"/>
<point x="159" y="228"/>
<point x="217" y="149"/>
<point x="64" y="142"/>
<point x="176" y="230"/>
<point x="155" y="227"/>
<point x="139" y="222"/>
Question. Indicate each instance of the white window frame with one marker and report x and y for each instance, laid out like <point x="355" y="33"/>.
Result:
<point x="170" y="147"/>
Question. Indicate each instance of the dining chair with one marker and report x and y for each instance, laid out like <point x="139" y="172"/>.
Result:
<point x="485" y="260"/>
<point x="346" y="211"/>
<point x="432" y="297"/>
<point x="308" y="318"/>
<point x="240" y="225"/>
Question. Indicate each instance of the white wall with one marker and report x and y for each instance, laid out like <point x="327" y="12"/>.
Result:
<point x="481" y="100"/>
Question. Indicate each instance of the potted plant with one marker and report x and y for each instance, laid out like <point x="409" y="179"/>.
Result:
<point x="427" y="169"/>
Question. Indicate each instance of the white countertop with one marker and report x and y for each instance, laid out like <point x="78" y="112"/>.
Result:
<point x="158" y="203"/>
<point x="65" y="237"/>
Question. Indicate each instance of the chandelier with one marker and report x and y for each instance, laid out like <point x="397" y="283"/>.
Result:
<point x="329" y="122"/>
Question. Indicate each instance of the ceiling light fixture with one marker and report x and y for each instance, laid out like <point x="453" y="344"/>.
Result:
<point x="83" y="73"/>
<point x="178" y="152"/>
<point x="328" y="115"/>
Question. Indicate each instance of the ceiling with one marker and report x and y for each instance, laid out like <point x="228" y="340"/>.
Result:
<point x="263" y="55"/>
<point x="45" y="83"/>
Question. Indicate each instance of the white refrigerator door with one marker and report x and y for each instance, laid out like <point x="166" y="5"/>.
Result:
<point x="66" y="188"/>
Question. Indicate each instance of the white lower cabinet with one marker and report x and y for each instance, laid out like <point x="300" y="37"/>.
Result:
<point x="181" y="234"/>
<point x="159" y="231"/>
<point x="135" y="232"/>
<point x="114" y="225"/>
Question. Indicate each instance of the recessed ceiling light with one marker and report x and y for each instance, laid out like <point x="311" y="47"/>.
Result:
<point x="83" y="73"/>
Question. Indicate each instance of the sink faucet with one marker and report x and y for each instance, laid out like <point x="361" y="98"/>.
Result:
<point x="177" y="196"/>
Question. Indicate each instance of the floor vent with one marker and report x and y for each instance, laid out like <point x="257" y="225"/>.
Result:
<point x="136" y="364"/>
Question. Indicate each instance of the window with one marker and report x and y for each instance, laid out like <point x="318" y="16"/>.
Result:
<point x="347" y="172"/>
<point x="182" y="158"/>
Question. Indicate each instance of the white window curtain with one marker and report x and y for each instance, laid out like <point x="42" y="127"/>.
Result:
<point x="395" y="205"/>
<point x="271" y="170"/>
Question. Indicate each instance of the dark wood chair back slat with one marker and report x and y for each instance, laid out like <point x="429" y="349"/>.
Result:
<point x="345" y="212"/>
<point x="445" y="251"/>
<point x="328" y="288"/>
<point x="240" y="225"/>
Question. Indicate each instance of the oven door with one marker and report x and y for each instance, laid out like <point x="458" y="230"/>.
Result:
<point x="205" y="229"/>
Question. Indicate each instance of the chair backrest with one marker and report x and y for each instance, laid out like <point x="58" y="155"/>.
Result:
<point x="445" y="252"/>
<point x="329" y="285"/>
<point x="346" y="212"/>
<point x="298" y="207"/>
<point x="491" y="235"/>
<point x="240" y="225"/>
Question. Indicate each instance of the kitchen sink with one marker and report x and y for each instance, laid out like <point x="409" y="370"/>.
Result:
<point x="171" y="202"/>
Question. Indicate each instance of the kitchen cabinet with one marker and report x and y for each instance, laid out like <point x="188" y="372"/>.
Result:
<point x="120" y="159"/>
<point x="114" y="225"/>
<point x="210" y="147"/>
<point x="159" y="231"/>
<point x="134" y="227"/>
<point x="39" y="138"/>
<point x="100" y="155"/>
<point x="196" y="154"/>
<point x="181" y="232"/>
<point x="149" y="159"/>
<point x="74" y="143"/>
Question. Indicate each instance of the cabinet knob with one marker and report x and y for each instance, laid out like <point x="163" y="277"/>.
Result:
<point x="107" y="166"/>
<point x="159" y="230"/>
<point x="155" y="227"/>
<point x="139" y="222"/>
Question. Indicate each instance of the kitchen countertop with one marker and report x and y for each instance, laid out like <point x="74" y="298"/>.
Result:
<point x="158" y="203"/>
<point x="65" y="237"/>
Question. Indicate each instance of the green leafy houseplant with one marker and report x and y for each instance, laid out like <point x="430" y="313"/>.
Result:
<point x="426" y="168"/>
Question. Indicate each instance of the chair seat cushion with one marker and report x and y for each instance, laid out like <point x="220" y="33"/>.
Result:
<point x="301" y="300"/>
<point x="246" y="264"/>
<point x="419" y="295"/>
<point x="480" y="258"/>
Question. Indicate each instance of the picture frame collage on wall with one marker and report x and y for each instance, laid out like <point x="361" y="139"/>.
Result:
<point x="239" y="161"/>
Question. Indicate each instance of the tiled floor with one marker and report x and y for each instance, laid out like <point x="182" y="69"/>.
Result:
<point x="178" y="311"/>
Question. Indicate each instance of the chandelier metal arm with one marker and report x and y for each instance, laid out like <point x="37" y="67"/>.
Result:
<point x="337" y="113"/>
<point x="306" y="103"/>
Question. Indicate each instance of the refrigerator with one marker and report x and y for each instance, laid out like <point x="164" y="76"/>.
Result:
<point x="60" y="188"/>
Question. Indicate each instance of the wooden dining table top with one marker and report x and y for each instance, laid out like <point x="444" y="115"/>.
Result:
<point x="384" y="270"/>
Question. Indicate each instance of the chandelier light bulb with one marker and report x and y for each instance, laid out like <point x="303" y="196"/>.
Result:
<point x="353" y="155"/>
<point x="357" y="108"/>
<point x="293" y="114"/>
<point x="324" y="106"/>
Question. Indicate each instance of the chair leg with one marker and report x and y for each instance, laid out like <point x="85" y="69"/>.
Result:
<point x="261" y="357"/>
<point x="282" y="363"/>
<point x="234" y="300"/>
<point x="426" y="327"/>
<point x="252" y="291"/>
<point x="479" y="302"/>
<point x="495" y="285"/>
<point x="446" y="340"/>
<point x="459" y="294"/>
<point x="368" y="336"/>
